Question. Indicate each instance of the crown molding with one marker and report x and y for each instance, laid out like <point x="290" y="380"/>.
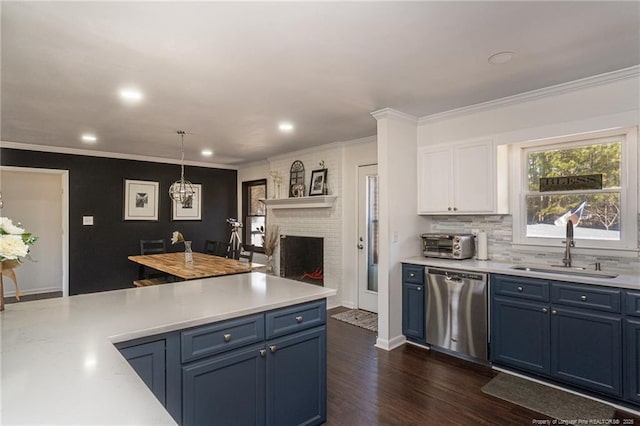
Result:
<point x="583" y="83"/>
<point x="332" y="145"/>
<point x="390" y="112"/>
<point x="105" y="154"/>
<point x="252" y="164"/>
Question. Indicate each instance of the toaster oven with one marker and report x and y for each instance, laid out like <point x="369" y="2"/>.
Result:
<point x="448" y="246"/>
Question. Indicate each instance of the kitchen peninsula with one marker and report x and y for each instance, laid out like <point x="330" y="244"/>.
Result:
<point x="60" y="365"/>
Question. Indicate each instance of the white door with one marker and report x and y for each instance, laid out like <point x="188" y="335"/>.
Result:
<point x="34" y="199"/>
<point x="368" y="230"/>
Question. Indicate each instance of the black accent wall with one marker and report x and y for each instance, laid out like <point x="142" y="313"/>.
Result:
<point x="98" y="254"/>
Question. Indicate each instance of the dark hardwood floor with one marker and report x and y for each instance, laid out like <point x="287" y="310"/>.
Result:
<point x="410" y="385"/>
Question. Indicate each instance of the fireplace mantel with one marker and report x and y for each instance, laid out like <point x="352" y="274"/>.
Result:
<point x="315" y="202"/>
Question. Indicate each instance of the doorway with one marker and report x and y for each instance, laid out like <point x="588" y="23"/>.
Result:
<point x="368" y="231"/>
<point x="37" y="198"/>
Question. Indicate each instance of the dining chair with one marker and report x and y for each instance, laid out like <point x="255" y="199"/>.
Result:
<point x="148" y="276"/>
<point x="246" y="253"/>
<point x="211" y="247"/>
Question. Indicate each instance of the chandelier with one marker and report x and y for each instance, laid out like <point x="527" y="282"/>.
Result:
<point x="181" y="191"/>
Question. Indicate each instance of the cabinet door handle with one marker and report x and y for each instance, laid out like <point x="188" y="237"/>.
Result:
<point x="545" y="310"/>
<point x="419" y="288"/>
<point x="412" y="274"/>
<point x="299" y="319"/>
<point x="583" y="298"/>
<point x="554" y="312"/>
<point x="263" y="353"/>
<point x="455" y="209"/>
<point x="227" y="337"/>
<point x="520" y="289"/>
<point x="449" y="209"/>
<point x="273" y="348"/>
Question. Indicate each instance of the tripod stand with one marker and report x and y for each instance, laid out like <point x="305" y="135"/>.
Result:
<point x="234" y="243"/>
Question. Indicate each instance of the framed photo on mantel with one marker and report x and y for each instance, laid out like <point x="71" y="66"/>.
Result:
<point x="318" y="182"/>
<point x="140" y="200"/>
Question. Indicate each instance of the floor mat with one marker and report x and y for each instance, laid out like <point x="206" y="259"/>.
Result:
<point x="360" y="318"/>
<point x="546" y="400"/>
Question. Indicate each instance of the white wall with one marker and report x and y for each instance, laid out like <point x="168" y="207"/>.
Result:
<point x="399" y="224"/>
<point x="591" y="104"/>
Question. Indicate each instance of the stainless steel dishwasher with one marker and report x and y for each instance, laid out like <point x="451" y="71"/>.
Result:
<point x="457" y="312"/>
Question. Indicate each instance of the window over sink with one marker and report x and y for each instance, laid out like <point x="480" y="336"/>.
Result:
<point x="590" y="179"/>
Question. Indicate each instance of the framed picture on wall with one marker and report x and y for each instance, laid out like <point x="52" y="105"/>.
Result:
<point x="191" y="210"/>
<point x="318" y="182"/>
<point x="140" y="200"/>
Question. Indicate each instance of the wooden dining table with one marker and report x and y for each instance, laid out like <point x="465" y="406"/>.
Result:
<point x="203" y="265"/>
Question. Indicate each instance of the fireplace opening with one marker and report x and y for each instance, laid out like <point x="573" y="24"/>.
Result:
<point x="301" y="259"/>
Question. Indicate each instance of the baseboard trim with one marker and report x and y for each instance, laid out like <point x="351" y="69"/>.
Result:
<point x="10" y="290"/>
<point x="390" y="344"/>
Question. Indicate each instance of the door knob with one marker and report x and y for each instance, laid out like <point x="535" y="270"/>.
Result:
<point x="360" y="246"/>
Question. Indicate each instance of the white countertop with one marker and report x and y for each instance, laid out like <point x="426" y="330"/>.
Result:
<point x="58" y="362"/>
<point x="629" y="281"/>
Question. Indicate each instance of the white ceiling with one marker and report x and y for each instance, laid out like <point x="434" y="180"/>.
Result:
<point x="227" y="73"/>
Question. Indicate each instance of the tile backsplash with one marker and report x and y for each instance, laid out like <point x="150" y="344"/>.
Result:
<point x="499" y="233"/>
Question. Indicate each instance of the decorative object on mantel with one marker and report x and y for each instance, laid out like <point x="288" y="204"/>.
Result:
<point x="270" y="240"/>
<point x="181" y="191"/>
<point x="276" y="178"/>
<point x="177" y="237"/>
<point x="318" y="182"/>
<point x="296" y="179"/>
<point x="14" y="245"/>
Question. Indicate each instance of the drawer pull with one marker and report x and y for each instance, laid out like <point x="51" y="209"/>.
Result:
<point x="273" y="348"/>
<point x="227" y="337"/>
<point x="583" y="298"/>
<point x="299" y="319"/>
<point x="263" y="353"/>
<point x="520" y="289"/>
<point x="545" y="310"/>
<point x="412" y="274"/>
<point x="554" y="312"/>
<point x="419" y="289"/>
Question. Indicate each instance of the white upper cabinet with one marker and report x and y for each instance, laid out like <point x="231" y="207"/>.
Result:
<point x="464" y="178"/>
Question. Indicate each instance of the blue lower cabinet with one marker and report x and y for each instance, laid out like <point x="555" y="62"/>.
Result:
<point x="413" y="312"/>
<point x="587" y="349"/>
<point x="520" y="334"/>
<point x="148" y="360"/>
<point x="226" y="389"/>
<point x="632" y="360"/>
<point x="297" y="379"/>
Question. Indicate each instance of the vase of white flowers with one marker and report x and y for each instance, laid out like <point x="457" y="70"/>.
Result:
<point x="177" y="237"/>
<point x="14" y="245"/>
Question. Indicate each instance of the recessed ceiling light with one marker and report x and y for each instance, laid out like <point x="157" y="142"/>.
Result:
<point x="285" y="127"/>
<point x="130" y="95"/>
<point x="207" y="152"/>
<point x="89" y="138"/>
<point x="500" y="58"/>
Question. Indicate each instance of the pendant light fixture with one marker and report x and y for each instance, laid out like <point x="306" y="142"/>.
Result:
<point x="181" y="191"/>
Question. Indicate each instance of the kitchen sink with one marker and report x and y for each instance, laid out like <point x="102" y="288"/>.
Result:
<point x="564" y="270"/>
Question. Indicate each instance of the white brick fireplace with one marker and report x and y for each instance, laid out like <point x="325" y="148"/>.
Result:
<point x="322" y="222"/>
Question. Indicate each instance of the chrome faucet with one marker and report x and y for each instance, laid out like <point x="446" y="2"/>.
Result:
<point x="566" y="260"/>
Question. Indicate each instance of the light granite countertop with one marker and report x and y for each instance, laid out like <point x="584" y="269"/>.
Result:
<point x="58" y="362"/>
<point x="628" y="281"/>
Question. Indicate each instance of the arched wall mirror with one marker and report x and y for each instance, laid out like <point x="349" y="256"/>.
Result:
<point x="296" y="179"/>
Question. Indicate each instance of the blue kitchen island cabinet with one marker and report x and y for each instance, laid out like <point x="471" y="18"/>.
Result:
<point x="261" y="369"/>
<point x="569" y="332"/>
<point x="413" y="303"/>
<point x="148" y="360"/>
